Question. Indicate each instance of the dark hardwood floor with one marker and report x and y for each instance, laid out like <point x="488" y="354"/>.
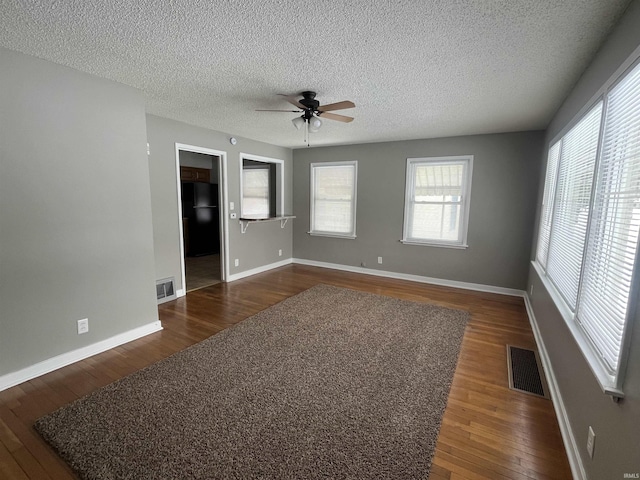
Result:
<point x="488" y="431"/>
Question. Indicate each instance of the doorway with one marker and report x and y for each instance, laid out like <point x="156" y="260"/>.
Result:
<point x="201" y="187"/>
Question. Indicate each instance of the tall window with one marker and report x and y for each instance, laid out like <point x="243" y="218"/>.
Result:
<point x="333" y="199"/>
<point x="571" y="209"/>
<point x="594" y="217"/>
<point x="547" y="204"/>
<point x="437" y="201"/>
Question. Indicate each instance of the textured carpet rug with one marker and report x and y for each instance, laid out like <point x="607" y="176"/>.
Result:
<point x="330" y="383"/>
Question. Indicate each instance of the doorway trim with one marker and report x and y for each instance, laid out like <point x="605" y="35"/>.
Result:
<point x="224" y="222"/>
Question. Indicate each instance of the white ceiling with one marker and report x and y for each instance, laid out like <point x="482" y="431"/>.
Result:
<point x="414" y="68"/>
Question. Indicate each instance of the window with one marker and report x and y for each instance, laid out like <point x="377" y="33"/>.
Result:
<point x="591" y="217"/>
<point x="261" y="186"/>
<point x="333" y="199"/>
<point x="436" y="208"/>
<point x="547" y="204"/>
<point x="571" y="207"/>
<point x="255" y="191"/>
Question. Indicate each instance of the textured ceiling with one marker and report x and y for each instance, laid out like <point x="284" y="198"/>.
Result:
<point x="414" y="68"/>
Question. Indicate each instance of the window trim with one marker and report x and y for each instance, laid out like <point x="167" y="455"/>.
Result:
<point x="465" y="203"/>
<point x="279" y="186"/>
<point x="319" y="233"/>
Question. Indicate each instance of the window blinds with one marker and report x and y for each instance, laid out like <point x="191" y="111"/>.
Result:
<point x="571" y="209"/>
<point x="613" y="233"/>
<point x="436" y="200"/>
<point x="255" y="191"/>
<point x="547" y="205"/>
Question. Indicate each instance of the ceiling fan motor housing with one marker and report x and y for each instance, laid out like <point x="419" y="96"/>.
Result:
<point x="309" y="101"/>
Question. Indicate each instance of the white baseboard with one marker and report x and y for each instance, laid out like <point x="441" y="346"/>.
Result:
<point x="570" y="444"/>
<point x="15" y="378"/>
<point x="254" y="271"/>
<point x="414" y="278"/>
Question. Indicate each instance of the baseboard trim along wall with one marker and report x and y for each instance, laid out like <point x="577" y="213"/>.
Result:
<point x="255" y="271"/>
<point x="575" y="461"/>
<point x="415" y="278"/>
<point x="15" y="378"/>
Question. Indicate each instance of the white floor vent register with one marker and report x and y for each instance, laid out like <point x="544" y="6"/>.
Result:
<point x="165" y="290"/>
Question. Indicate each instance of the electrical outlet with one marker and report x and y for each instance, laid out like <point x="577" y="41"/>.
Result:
<point x="531" y="290"/>
<point x="591" y="442"/>
<point x="232" y="206"/>
<point x="83" y="326"/>
<point x="380" y="260"/>
<point x="280" y="252"/>
<point x="237" y="262"/>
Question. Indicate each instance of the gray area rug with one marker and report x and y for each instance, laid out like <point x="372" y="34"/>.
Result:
<point x="330" y="383"/>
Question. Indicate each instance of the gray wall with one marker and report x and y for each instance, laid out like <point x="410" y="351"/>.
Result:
<point x="616" y="426"/>
<point x="75" y="225"/>
<point x="503" y="193"/>
<point x="258" y="246"/>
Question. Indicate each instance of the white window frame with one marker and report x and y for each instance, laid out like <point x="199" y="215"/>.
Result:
<point x="467" y="162"/>
<point x="279" y="186"/>
<point x="610" y="382"/>
<point x="312" y="230"/>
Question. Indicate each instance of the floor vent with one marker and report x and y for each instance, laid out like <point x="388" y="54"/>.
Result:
<point x="165" y="290"/>
<point x="525" y="372"/>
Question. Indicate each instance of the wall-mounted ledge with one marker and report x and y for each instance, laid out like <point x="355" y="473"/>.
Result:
<point x="245" y="221"/>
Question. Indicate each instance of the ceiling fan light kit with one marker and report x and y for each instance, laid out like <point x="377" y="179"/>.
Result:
<point x="298" y="122"/>
<point x="312" y="111"/>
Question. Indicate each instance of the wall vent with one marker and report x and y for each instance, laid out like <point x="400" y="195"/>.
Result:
<point x="165" y="290"/>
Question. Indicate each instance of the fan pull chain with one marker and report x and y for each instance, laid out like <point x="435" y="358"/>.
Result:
<point x="306" y="133"/>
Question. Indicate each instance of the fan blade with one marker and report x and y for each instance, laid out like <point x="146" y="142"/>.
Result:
<point x="336" y="106"/>
<point x="293" y="101"/>
<point x="335" y="116"/>
<point x="290" y="111"/>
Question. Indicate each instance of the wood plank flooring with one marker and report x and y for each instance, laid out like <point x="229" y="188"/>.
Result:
<point x="488" y="431"/>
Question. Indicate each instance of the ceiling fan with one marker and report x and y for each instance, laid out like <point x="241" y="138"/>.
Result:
<point x="312" y="111"/>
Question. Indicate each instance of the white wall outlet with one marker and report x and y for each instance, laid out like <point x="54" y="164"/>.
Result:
<point x="148" y="149"/>
<point x="591" y="442"/>
<point x="280" y="252"/>
<point x="83" y="326"/>
<point x="232" y="206"/>
<point x="236" y="262"/>
<point x="233" y="216"/>
<point x="380" y="260"/>
<point x="531" y="290"/>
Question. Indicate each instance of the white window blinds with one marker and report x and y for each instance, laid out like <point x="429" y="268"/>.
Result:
<point x="333" y="198"/>
<point x="255" y="192"/>
<point x="615" y="222"/>
<point x="437" y="200"/>
<point x="547" y="204"/>
<point x="571" y="210"/>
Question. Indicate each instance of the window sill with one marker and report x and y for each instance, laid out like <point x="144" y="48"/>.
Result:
<point x="332" y="235"/>
<point x="606" y="381"/>
<point x="433" y="244"/>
